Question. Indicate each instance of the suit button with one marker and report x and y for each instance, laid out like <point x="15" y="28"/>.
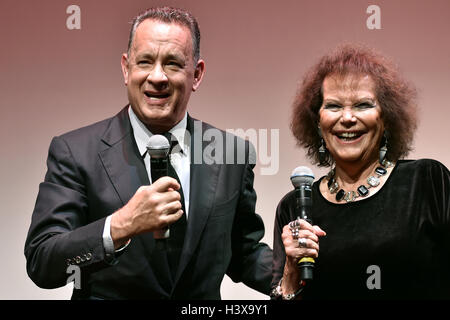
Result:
<point x="88" y="256"/>
<point x="83" y="258"/>
<point x="68" y="262"/>
<point x="78" y="259"/>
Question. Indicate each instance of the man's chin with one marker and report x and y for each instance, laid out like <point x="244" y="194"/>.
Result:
<point x="158" y="122"/>
<point x="147" y="112"/>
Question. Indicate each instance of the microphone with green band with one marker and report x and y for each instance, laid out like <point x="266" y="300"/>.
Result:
<point x="302" y="179"/>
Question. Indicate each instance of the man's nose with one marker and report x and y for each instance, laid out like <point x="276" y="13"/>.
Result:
<point x="157" y="76"/>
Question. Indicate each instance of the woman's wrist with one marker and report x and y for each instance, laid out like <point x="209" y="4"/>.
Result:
<point x="278" y="292"/>
<point x="290" y="285"/>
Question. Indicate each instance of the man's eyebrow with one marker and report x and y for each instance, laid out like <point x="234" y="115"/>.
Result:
<point x="175" y="56"/>
<point x="170" y="56"/>
<point x="144" y="55"/>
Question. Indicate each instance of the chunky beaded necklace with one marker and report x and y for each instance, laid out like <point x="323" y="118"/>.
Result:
<point x="362" y="191"/>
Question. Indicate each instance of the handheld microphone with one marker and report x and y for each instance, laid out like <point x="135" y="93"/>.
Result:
<point x="302" y="179"/>
<point x="158" y="148"/>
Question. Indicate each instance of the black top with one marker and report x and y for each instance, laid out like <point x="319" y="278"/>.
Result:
<point x="398" y="239"/>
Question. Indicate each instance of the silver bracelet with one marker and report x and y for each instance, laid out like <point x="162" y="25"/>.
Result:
<point x="277" y="292"/>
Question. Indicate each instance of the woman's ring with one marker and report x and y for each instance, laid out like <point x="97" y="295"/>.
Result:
<point x="302" y="242"/>
<point x="293" y="225"/>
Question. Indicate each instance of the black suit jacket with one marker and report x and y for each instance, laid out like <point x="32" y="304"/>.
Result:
<point x="95" y="170"/>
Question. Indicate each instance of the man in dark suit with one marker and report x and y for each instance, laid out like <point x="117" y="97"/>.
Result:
<point x="98" y="208"/>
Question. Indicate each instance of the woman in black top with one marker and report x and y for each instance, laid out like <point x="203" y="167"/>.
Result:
<point x="383" y="223"/>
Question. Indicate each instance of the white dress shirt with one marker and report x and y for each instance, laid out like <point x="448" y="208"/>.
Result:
<point x="179" y="158"/>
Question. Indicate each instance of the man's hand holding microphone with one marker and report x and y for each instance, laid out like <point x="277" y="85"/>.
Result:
<point x="152" y="208"/>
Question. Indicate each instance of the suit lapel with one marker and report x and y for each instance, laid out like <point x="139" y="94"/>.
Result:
<point x="126" y="170"/>
<point x="121" y="158"/>
<point x="203" y="185"/>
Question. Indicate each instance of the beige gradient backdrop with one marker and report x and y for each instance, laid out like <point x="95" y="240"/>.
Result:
<point x="54" y="80"/>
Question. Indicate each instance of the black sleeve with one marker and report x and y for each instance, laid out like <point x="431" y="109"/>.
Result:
<point x="437" y="178"/>
<point x="59" y="234"/>
<point x="440" y="192"/>
<point x="251" y="260"/>
<point x="284" y="214"/>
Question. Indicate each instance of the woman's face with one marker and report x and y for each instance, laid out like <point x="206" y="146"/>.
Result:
<point x="350" y="118"/>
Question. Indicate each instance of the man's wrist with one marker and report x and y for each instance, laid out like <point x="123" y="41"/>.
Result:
<point x="113" y="239"/>
<point x="118" y="233"/>
<point x="108" y="243"/>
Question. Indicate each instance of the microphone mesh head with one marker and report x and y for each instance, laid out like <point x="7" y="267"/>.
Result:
<point x="158" y="146"/>
<point x="302" y="176"/>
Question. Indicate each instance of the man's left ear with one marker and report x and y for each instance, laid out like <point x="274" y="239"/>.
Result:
<point x="124" y="65"/>
<point x="198" y="74"/>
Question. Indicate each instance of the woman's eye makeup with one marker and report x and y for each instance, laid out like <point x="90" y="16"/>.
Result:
<point x="365" y="105"/>
<point x="332" y="106"/>
<point x="359" y="105"/>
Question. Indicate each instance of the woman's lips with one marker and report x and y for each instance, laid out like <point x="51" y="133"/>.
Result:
<point x="349" y="137"/>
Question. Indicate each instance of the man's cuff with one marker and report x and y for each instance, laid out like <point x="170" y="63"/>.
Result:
<point x="108" y="242"/>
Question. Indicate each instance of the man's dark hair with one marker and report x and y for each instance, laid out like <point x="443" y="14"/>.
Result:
<point x="170" y="15"/>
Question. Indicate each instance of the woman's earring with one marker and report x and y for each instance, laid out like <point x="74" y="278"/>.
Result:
<point x="383" y="148"/>
<point x="322" y="152"/>
<point x="322" y="149"/>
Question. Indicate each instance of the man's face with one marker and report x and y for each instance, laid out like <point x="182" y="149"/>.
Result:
<point x="160" y="74"/>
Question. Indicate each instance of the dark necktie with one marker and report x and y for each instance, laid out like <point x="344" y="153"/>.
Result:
<point x="177" y="229"/>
